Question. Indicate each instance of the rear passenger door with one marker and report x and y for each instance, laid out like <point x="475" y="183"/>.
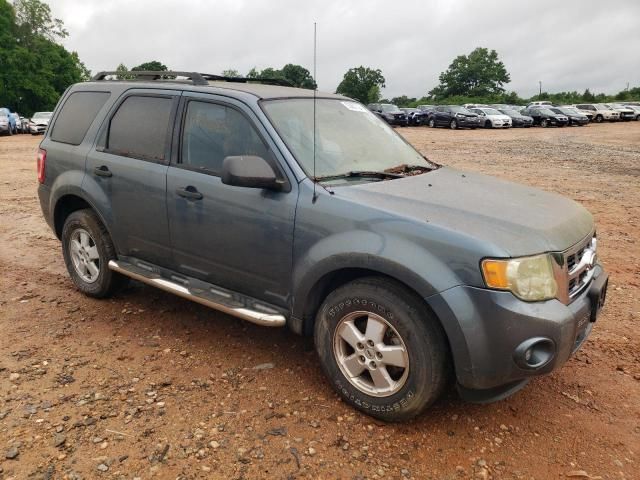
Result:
<point x="235" y="237"/>
<point x="127" y="171"/>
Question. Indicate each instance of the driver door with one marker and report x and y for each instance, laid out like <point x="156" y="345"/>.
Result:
<point x="236" y="237"/>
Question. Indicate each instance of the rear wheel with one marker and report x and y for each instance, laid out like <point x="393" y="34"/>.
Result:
<point x="544" y="123"/>
<point x="599" y="118"/>
<point x="381" y="349"/>
<point x="432" y="123"/>
<point x="87" y="249"/>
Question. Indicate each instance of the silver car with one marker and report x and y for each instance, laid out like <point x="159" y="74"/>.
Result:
<point x="39" y="122"/>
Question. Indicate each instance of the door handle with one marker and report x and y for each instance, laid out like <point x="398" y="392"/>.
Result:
<point x="189" y="192"/>
<point x="102" y="171"/>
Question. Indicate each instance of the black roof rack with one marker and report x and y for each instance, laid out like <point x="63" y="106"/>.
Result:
<point x="195" y="77"/>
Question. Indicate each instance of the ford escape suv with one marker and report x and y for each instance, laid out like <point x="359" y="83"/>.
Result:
<point x="283" y="209"/>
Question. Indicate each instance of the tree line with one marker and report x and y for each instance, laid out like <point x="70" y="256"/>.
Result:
<point x="36" y="70"/>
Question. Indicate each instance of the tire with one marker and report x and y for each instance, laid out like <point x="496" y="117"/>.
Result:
<point x="488" y="124"/>
<point x="404" y="326"/>
<point x="453" y="125"/>
<point x="85" y="242"/>
<point x="599" y="118"/>
<point x="431" y="123"/>
<point x="10" y="131"/>
<point x="544" y="123"/>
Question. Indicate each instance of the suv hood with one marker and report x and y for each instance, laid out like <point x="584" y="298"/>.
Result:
<point x="517" y="219"/>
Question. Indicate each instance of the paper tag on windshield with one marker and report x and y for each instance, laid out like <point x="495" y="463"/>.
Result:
<point x="353" y="106"/>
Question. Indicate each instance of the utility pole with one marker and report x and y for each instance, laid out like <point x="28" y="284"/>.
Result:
<point x="540" y="82"/>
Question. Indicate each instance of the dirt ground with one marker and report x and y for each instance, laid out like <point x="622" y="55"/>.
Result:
<point x="148" y="385"/>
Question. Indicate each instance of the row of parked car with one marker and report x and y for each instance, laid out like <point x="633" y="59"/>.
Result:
<point x="12" y="122"/>
<point x="543" y="113"/>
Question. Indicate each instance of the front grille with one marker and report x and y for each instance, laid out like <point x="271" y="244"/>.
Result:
<point x="579" y="266"/>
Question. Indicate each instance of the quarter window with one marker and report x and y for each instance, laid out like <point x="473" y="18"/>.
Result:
<point x="139" y="128"/>
<point x="77" y="115"/>
<point x="213" y="132"/>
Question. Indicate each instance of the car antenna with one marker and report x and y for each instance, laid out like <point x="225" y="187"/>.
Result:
<point x="315" y="89"/>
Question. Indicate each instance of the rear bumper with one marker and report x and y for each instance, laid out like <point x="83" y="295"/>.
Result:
<point x="44" y="195"/>
<point x="489" y="332"/>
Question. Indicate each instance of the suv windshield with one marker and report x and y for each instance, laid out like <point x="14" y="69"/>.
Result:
<point x="389" y="108"/>
<point x="349" y="138"/>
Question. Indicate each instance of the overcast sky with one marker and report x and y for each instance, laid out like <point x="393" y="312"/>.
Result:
<point x="566" y="44"/>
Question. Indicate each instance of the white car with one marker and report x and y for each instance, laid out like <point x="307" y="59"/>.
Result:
<point x="492" y="118"/>
<point x="626" y="113"/>
<point x="599" y="112"/>
<point x="635" y="108"/>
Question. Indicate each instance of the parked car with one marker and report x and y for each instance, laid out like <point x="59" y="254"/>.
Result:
<point x="390" y="113"/>
<point x="545" y="117"/>
<point x="405" y="272"/>
<point x="452" y="116"/>
<point x="599" y="112"/>
<point x="25" y="124"/>
<point x="415" y="116"/>
<point x="539" y="103"/>
<point x="492" y="118"/>
<point x="517" y="119"/>
<point x="39" y="122"/>
<point x="17" y="121"/>
<point x="635" y="108"/>
<point x="7" y="122"/>
<point x="574" y="116"/>
<point x="626" y="113"/>
<point x="426" y="108"/>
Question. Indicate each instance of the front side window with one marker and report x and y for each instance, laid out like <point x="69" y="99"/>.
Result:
<point x="139" y="128"/>
<point x="213" y="132"/>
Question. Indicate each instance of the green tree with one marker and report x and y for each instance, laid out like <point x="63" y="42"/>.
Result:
<point x="230" y="73"/>
<point x="34" y="19"/>
<point x="152" y="66"/>
<point x="403" y="101"/>
<point x="35" y="70"/>
<point x="362" y="84"/>
<point x="298" y="76"/>
<point x="478" y="74"/>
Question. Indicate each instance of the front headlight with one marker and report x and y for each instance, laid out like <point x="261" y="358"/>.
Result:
<point x="528" y="278"/>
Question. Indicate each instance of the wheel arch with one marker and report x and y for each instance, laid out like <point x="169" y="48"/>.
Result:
<point x="68" y="203"/>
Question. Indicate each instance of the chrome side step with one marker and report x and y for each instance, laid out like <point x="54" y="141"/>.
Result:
<point x="205" y="294"/>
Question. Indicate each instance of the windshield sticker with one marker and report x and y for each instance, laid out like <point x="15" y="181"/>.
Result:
<point x="354" y="107"/>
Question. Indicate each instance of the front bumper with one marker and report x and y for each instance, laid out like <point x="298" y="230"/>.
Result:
<point x="467" y="122"/>
<point x="487" y="330"/>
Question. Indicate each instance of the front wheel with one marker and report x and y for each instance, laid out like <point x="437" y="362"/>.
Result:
<point x="488" y="124"/>
<point x="599" y="118"/>
<point x="453" y="125"/>
<point x="544" y="123"/>
<point x="432" y="123"/>
<point x="87" y="249"/>
<point x="381" y="349"/>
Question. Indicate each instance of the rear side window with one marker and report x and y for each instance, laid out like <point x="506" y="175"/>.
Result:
<point x="213" y="132"/>
<point x="139" y="128"/>
<point x="76" y="116"/>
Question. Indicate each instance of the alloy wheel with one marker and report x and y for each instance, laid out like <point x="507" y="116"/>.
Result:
<point x="371" y="354"/>
<point x="84" y="255"/>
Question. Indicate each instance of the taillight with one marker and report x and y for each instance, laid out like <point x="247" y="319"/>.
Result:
<point x="41" y="162"/>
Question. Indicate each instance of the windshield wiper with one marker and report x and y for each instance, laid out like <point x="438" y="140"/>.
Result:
<point x="360" y="173"/>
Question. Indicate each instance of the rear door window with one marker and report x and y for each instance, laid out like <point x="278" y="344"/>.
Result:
<point x="213" y="132"/>
<point x="140" y="128"/>
<point x="77" y="115"/>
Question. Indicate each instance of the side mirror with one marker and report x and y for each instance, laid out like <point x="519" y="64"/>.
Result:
<point x="249" y="171"/>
